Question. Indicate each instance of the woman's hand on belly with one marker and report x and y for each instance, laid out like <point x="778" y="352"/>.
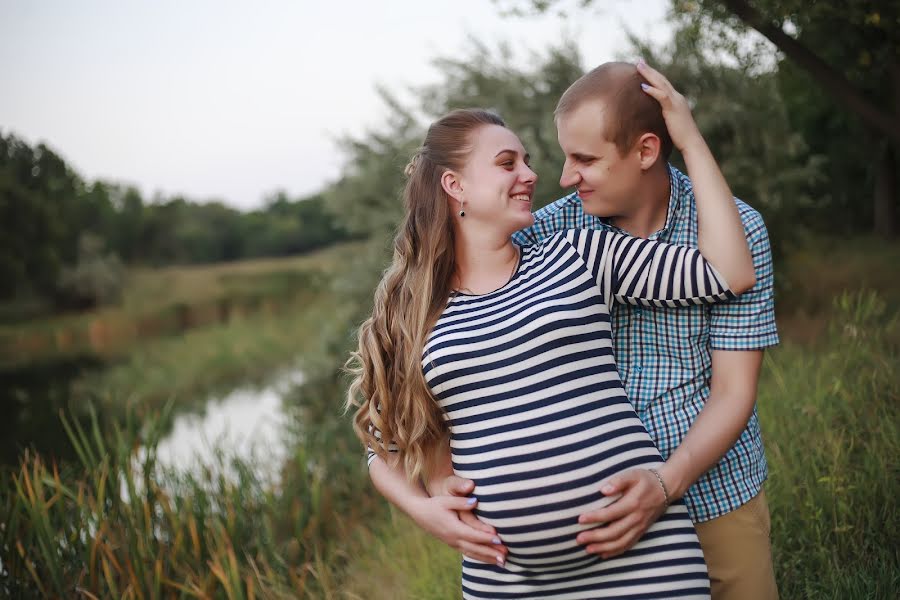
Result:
<point x="450" y="519"/>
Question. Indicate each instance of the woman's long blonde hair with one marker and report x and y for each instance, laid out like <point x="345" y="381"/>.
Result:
<point x="395" y="405"/>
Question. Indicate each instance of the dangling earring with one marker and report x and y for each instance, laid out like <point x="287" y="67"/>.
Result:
<point x="462" y="212"/>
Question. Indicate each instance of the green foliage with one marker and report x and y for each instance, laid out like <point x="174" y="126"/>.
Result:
<point x="738" y="107"/>
<point x="37" y="193"/>
<point x="838" y="74"/>
<point x="47" y="210"/>
<point x="860" y="41"/>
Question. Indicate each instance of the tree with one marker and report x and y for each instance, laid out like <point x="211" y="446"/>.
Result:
<point x="37" y="193"/>
<point x="850" y="50"/>
<point x="739" y="109"/>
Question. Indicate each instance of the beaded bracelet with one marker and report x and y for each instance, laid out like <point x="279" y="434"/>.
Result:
<point x="662" y="484"/>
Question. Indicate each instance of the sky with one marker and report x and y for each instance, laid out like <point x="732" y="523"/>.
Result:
<point x="218" y="99"/>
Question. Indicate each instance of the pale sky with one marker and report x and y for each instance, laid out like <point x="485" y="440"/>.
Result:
<point x="233" y="100"/>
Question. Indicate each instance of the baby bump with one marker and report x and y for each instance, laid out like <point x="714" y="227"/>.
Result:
<point x="540" y="535"/>
<point x="533" y="497"/>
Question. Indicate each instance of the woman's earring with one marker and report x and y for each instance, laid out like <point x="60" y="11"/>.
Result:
<point x="462" y="212"/>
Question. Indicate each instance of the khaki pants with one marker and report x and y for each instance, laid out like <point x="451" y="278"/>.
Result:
<point x="738" y="554"/>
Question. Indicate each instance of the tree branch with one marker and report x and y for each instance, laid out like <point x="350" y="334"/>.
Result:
<point x="830" y="79"/>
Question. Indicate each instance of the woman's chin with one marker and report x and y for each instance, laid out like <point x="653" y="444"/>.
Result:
<point x="523" y="220"/>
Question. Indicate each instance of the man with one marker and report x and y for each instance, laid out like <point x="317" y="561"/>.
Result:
<point x="690" y="372"/>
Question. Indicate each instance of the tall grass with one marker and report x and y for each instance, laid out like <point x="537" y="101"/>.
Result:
<point x="831" y="422"/>
<point x="119" y="526"/>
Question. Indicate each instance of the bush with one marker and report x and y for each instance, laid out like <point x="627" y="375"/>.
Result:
<point x="97" y="279"/>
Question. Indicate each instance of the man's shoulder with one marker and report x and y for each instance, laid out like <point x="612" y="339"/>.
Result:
<point x="750" y="217"/>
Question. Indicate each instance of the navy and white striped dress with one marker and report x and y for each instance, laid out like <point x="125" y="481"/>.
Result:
<point x="538" y="416"/>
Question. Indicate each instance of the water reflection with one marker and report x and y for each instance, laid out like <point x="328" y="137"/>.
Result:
<point x="31" y="399"/>
<point x="250" y="423"/>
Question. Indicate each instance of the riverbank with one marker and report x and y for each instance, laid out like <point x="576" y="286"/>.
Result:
<point x="185" y="366"/>
<point x="171" y="301"/>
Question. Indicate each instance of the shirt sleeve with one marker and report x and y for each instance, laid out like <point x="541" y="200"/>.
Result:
<point x="634" y="270"/>
<point x="370" y="452"/>
<point x="748" y="322"/>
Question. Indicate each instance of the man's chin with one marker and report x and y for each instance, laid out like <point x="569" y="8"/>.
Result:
<point x="598" y="209"/>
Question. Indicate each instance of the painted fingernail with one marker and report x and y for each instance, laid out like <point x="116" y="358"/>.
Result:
<point x="500" y="560"/>
<point x="641" y="62"/>
<point x="471" y="500"/>
<point x="496" y="540"/>
<point x="644" y="87"/>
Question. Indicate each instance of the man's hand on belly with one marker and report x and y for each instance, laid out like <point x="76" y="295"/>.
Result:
<point x="642" y="503"/>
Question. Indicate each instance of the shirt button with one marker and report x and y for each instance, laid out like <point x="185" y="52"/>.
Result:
<point x="638" y="368"/>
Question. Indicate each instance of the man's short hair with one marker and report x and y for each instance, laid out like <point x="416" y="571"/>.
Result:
<point x="630" y="112"/>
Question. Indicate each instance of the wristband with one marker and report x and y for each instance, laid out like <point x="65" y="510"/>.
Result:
<point x="662" y="484"/>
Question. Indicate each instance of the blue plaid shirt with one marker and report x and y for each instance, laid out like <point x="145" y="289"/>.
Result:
<point x="664" y="355"/>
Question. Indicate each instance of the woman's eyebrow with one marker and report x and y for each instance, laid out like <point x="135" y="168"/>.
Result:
<point x="526" y="157"/>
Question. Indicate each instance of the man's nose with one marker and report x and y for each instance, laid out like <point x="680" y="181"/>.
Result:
<point x="569" y="177"/>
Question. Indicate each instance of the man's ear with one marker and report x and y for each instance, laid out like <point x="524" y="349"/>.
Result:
<point x="648" y="146"/>
<point x="450" y="181"/>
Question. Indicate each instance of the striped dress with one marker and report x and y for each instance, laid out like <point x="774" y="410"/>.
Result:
<point x="538" y="417"/>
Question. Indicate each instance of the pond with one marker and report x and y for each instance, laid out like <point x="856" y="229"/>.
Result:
<point x="249" y="420"/>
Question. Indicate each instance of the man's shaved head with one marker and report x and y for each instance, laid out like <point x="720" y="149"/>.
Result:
<point x="629" y="111"/>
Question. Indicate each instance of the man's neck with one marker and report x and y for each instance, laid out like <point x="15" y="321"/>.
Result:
<point x="650" y="207"/>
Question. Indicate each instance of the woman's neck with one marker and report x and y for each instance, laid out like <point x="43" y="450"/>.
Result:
<point x="484" y="263"/>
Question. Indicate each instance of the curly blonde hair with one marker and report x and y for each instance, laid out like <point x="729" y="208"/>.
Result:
<point x="394" y="405"/>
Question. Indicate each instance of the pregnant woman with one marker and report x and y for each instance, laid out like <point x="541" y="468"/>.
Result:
<point x="499" y="358"/>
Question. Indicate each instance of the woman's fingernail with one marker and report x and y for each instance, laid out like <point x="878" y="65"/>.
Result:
<point x="500" y="560"/>
<point x="471" y="500"/>
<point x="644" y="87"/>
<point x="496" y="540"/>
<point x="641" y="62"/>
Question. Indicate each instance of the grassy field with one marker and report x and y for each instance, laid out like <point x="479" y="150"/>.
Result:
<point x="159" y="303"/>
<point x="828" y="402"/>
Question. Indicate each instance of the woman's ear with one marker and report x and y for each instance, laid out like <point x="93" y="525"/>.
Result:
<point x="451" y="184"/>
<point x="648" y="145"/>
